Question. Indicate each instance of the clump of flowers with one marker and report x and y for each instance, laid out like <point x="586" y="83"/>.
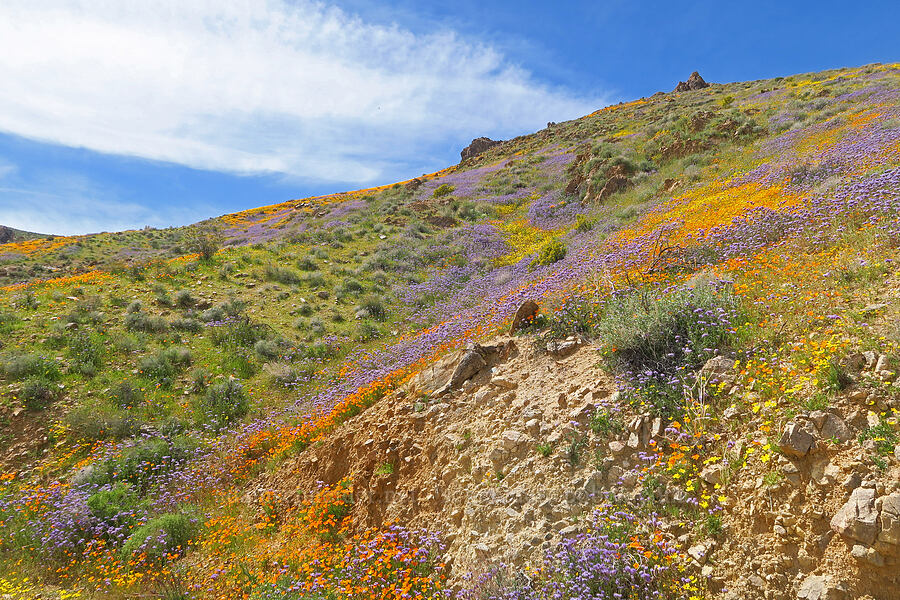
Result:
<point x="619" y="556"/>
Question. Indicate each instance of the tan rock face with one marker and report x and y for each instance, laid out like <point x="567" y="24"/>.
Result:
<point x="858" y="518"/>
<point x="889" y="519"/>
<point x="797" y="440"/>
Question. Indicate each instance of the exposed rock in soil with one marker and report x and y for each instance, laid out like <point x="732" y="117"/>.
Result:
<point x="524" y="315"/>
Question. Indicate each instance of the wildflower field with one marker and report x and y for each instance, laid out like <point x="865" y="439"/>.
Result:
<point x="145" y="387"/>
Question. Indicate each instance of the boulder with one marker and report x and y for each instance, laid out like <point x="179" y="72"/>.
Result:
<point x="889" y="519"/>
<point x="857" y="519"/>
<point x="821" y="587"/>
<point x="612" y="185"/>
<point x="511" y="440"/>
<point x="694" y="82"/>
<point x="797" y="440"/>
<point x="716" y="369"/>
<point x="524" y="315"/>
<point x="834" y="427"/>
<point x="6" y="234"/>
<point x="713" y="474"/>
<point x="475" y="359"/>
<point x="477" y="146"/>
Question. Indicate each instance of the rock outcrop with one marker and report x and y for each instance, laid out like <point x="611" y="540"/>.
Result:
<point x="477" y="146"/>
<point x="694" y="82"/>
<point x="858" y="518"/>
<point x="524" y="315"/>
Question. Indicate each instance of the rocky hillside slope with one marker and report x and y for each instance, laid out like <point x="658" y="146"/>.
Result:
<point x="650" y="352"/>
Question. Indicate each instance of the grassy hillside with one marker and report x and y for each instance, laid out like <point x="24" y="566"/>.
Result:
<point x="147" y="389"/>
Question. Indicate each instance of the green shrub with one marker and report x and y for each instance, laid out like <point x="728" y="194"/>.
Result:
<point x="144" y="465"/>
<point x="126" y="395"/>
<point x="659" y="340"/>
<point x="164" y="536"/>
<point x="165" y="364"/>
<point x="282" y="275"/>
<point x="367" y="331"/>
<point x="200" y="378"/>
<point x="314" y="280"/>
<point x="349" y="287"/>
<point x="223" y="403"/>
<point x="267" y="349"/>
<point x="605" y="422"/>
<point x="86" y="353"/>
<point x="204" y="241"/>
<point x="163" y="299"/>
<point x="374" y="307"/>
<point x="445" y="189"/>
<point x="583" y="223"/>
<point x="551" y="252"/>
<point x="240" y="333"/>
<point x="140" y="321"/>
<point x="188" y="324"/>
<point x="319" y="351"/>
<point x="216" y="313"/>
<point x="307" y="264"/>
<point x="37" y="393"/>
<point x="117" y="507"/>
<point x="99" y="421"/>
<point x="8" y="321"/>
<point x="21" y="366"/>
<point x="184" y="299"/>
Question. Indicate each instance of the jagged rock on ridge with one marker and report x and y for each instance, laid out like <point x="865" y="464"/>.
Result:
<point x="694" y="82"/>
<point x="477" y="146"/>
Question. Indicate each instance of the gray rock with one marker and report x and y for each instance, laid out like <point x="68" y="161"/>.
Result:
<point x="871" y="358"/>
<point x="868" y="555"/>
<point x="857" y="519"/>
<point x="889" y="519"/>
<point x="511" y="440"/>
<point x="821" y="587"/>
<point x="698" y="553"/>
<point x="474" y="360"/>
<point x="713" y="474"/>
<point x="797" y="440"/>
<point x="855" y="362"/>
<point x="616" y="447"/>
<point x="834" y="427"/>
<point x="716" y="368"/>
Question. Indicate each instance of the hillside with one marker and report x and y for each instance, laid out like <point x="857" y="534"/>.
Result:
<point x="653" y="351"/>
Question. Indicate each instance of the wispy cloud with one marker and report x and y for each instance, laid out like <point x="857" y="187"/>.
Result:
<point x="65" y="204"/>
<point x="302" y="89"/>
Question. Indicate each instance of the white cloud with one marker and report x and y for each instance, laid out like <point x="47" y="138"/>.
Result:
<point x="7" y="168"/>
<point x="255" y="86"/>
<point x="67" y="204"/>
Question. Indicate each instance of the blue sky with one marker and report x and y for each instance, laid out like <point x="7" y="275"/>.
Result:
<point x="115" y="116"/>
